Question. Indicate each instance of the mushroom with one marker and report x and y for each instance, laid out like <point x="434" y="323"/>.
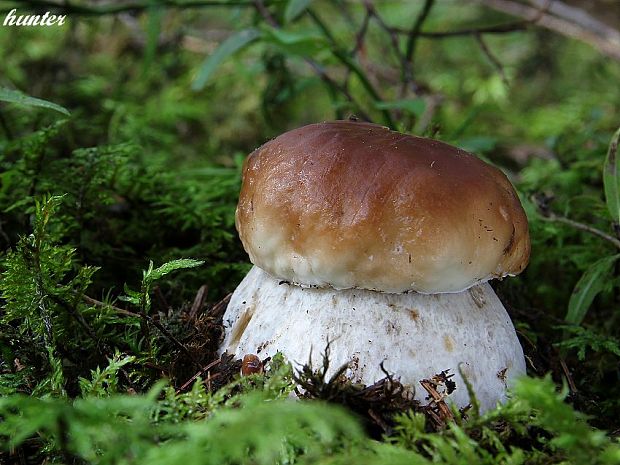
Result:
<point x="382" y="244"/>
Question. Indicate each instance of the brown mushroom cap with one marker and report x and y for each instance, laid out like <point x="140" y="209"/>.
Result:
<point x="354" y="205"/>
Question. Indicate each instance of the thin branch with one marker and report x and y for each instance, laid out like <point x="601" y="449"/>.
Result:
<point x="219" y="308"/>
<point x="361" y="34"/>
<point x="264" y="12"/>
<point x="568" y="21"/>
<point x="103" y="349"/>
<point x="579" y="16"/>
<point x="406" y="67"/>
<point x="552" y="217"/>
<point x="569" y="378"/>
<point x="516" y="26"/>
<point x="393" y="38"/>
<point x="360" y="37"/>
<point x="80" y="10"/>
<point x="334" y="86"/>
<point x="492" y="58"/>
<point x="414" y="33"/>
<point x="412" y="37"/>
<point x="199" y="373"/>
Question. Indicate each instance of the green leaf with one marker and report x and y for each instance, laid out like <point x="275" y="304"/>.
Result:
<point x="173" y="265"/>
<point x="611" y="178"/>
<point x="415" y="106"/>
<point x="19" y="98"/>
<point x="294" y="43"/>
<point x="294" y="8"/>
<point x="590" y="284"/>
<point x="130" y="296"/>
<point x="227" y="48"/>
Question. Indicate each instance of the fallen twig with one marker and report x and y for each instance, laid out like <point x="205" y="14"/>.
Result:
<point x="199" y="300"/>
<point x="203" y="370"/>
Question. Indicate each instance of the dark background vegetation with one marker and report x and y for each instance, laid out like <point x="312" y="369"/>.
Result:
<point x="117" y="239"/>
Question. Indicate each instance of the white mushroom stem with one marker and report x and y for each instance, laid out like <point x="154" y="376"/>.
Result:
<point x="416" y="336"/>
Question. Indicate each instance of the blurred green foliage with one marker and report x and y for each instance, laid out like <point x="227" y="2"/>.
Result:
<point x="261" y="426"/>
<point x="163" y="104"/>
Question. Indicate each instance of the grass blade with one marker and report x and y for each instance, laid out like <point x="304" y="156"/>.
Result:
<point x="227" y="48"/>
<point x="153" y="29"/>
<point x="586" y="289"/>
<point x="611" y="178"/>
<point x="19" y="98"/>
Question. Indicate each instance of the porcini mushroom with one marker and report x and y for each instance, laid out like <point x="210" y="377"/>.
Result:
<point x="381" y="243"/>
